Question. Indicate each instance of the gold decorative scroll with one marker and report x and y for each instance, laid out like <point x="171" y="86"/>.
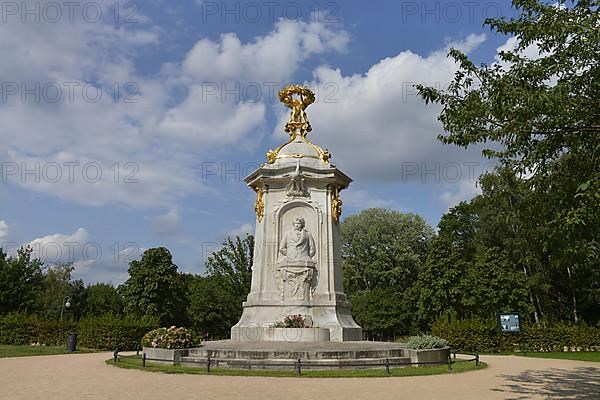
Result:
<point x="272" y="155"/>
<point x="259" y="204"/>
<point x="336" y="205"/>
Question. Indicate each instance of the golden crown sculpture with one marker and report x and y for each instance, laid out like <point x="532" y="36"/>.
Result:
<point x="297" y="98"/>
<point x="298" y="122"/>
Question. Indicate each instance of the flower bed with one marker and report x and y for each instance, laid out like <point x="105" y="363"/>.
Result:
<point x="170" y="338"/>
<point x="168" y="344"/>
<point x="293" y="321"/>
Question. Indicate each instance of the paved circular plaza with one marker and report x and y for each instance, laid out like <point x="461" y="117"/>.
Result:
<point x="85" y="376"/>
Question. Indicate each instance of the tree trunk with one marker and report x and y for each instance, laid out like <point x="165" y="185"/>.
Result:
<point x="539" y="303"/>
<point x="573" y="299"/>
<point x="535" y="312"/>
<point x="536" y="317"/>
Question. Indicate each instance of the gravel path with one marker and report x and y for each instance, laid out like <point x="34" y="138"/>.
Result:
<point x="85" y="376"/>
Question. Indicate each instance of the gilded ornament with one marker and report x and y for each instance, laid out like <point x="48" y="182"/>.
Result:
<point x="297" y="98"/>
<point x="259" y="205"/>
<point x="336" y="205"/>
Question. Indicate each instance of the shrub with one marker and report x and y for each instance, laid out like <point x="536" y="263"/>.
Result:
<point x="20" y="329"/>
<point x="485" y="336"/>
<point x="470" y="336"/>
<point x="109" y="332"/>
<point x="104" y="333"/>
<point x="171" y="338"/>
<point x="425" y="342"/>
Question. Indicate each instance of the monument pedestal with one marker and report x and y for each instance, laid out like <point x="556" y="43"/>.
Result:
<point x="335" y="319"/>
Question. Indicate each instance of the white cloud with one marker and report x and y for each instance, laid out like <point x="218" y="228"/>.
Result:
<point x="244" y="229"/>
<point x="462" y="191"/>
<point x="213" y="122"/>
<point x="531" y="52"/>
<point x="3" y="229"/>
<point x="227" y="81"/>
<point x="270" y="58"/>
<point x="362" y="199"/>
<point x="74" y="130"/>
<point x="92" y="261"/>
<point x="162" y="136"/>
<point x="167" y="224"/>
<point x="64" y="248"/>
<point x="92" y="272"/>
<point x="376" y="122"/>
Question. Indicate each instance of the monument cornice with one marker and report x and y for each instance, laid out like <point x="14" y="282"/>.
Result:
<point x="280" y="175"/>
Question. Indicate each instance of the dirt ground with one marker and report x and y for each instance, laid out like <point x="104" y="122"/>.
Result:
<point x="85" y="376"/>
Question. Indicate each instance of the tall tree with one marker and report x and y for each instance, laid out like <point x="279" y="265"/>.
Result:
<point x="154" y="288"/>
<point x="383" y="248"/>
<point x="538" y="108"/>
<point x="383" y="252"/>
<point x="544" y="113"/>
<point x="233" y="262"/>
<point x="21" y="280"/>
<point x="508" y="222"/>
<point x="443" y="279"/>
<point x="57" y="287"/>
<point x="216" y="300"/>
<point x="103" y="298"/>
<point x="484" y="259"/>
<point x="213" y="309"/>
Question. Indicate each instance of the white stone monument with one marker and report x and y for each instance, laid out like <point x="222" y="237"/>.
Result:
<point x="297" y="266"/>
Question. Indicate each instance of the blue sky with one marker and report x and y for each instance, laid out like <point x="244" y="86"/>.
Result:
<point x="130" y="130"/>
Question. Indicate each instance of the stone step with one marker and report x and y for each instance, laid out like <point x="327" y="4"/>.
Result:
<point x="284" y="364"/>
<point x="294" y="355"/>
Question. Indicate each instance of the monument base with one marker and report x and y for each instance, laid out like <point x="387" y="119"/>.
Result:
<point x="284" y="355"/>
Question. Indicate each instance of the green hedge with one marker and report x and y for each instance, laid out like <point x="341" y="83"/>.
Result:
<point x="485" y="336"/>
<point x="108" y="332"/>
<point x="23" y="330"/>
<point x="104" y="333"/>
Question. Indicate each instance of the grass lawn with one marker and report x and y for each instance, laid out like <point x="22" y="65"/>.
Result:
<point x="577" y="356"/>
<point x="25" y="351"/>
<point x="135" y="362"/>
